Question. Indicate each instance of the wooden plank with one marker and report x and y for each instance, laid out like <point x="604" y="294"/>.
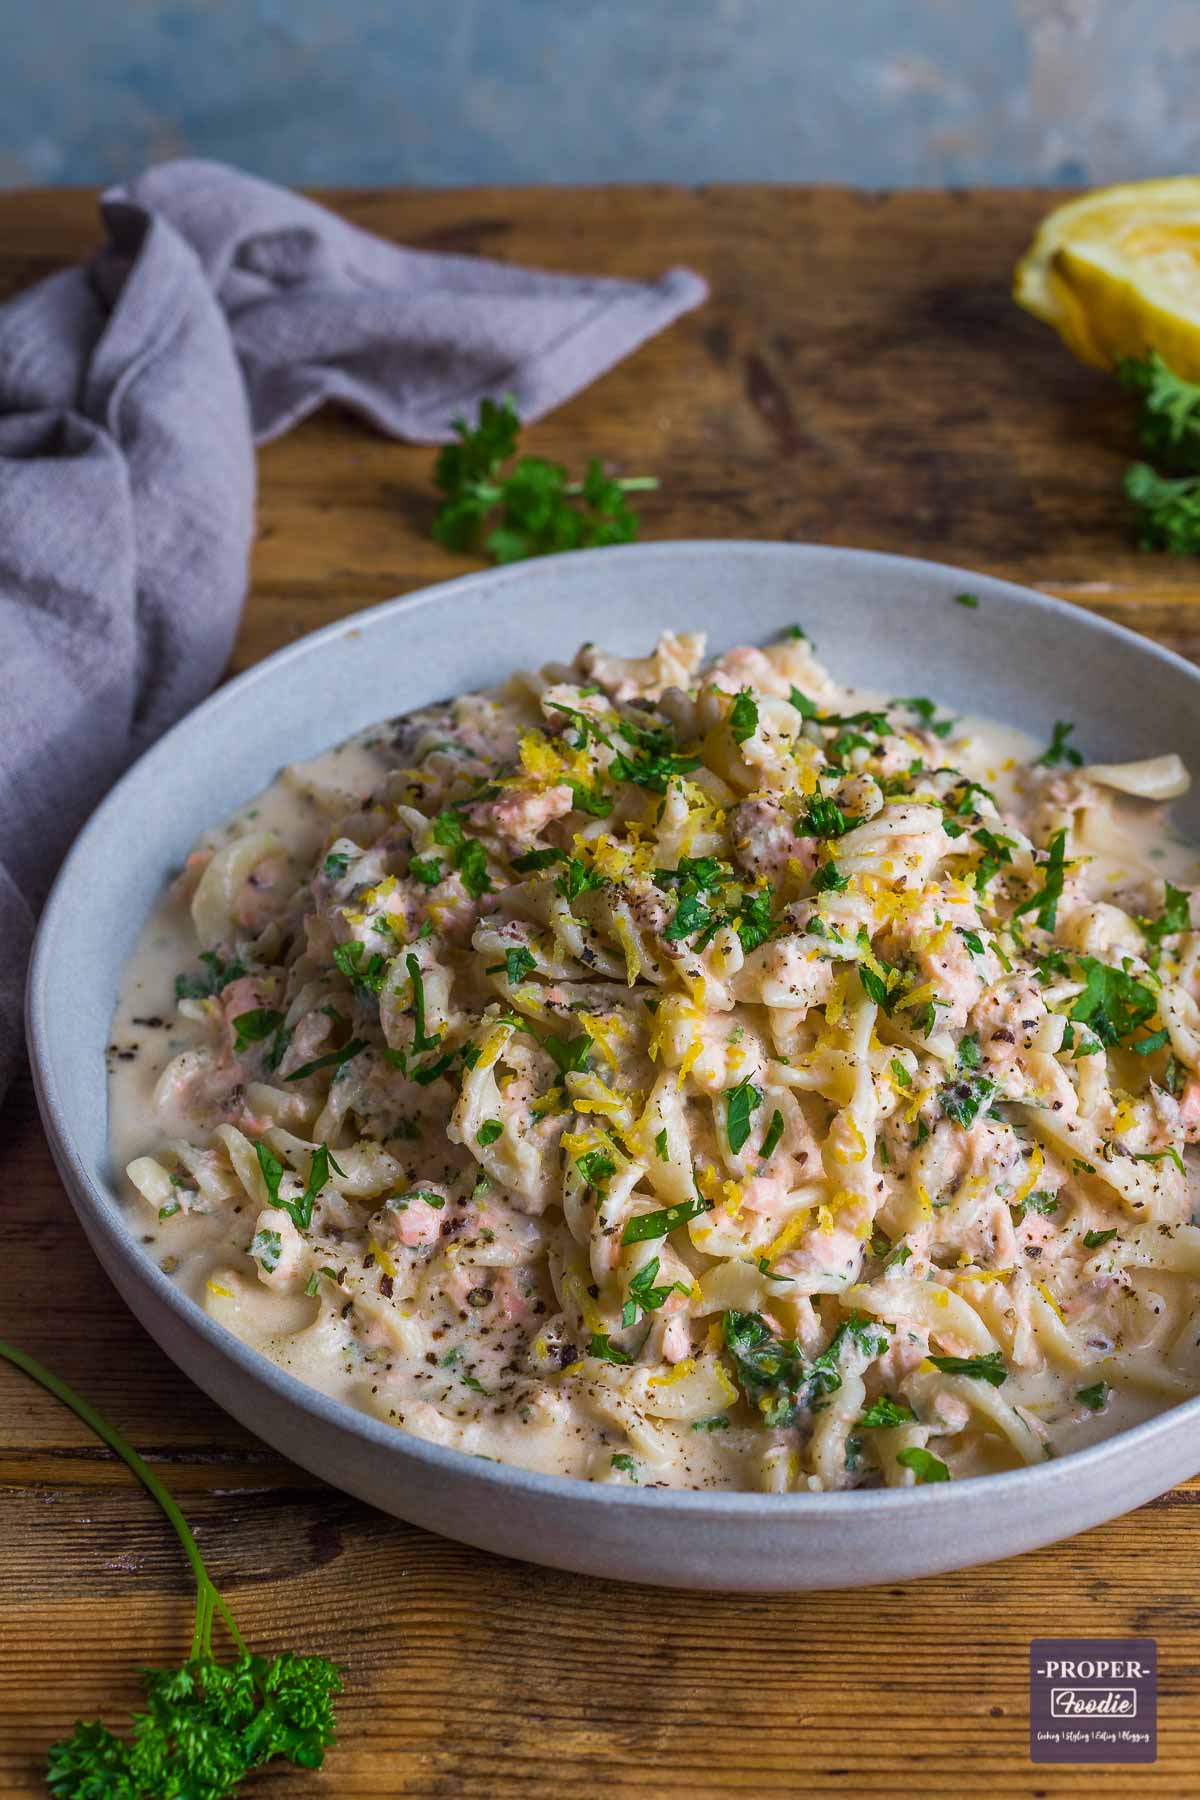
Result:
<point x="861" y="377"/>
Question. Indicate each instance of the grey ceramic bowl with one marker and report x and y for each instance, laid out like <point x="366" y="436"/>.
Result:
<point x="878" y="620"/>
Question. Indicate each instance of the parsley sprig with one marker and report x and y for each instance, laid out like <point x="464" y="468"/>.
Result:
<point x="531" y="507"/>
<point x="208" y="1723"/>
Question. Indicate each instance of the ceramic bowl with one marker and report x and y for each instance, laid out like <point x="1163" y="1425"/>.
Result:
<point x="880" y="621"/>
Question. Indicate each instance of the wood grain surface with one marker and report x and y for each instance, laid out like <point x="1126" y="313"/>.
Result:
<point x="859" y="376"/>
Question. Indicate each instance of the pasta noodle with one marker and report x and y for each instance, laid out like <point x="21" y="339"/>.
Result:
<point x="690" y="1074"/>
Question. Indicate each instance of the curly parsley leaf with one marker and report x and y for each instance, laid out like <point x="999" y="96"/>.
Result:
<point x="532" y="507"/>
<point x="1166" y="510"/>
<point x="207" y="1723"/>
<point x="1169" y="415"/>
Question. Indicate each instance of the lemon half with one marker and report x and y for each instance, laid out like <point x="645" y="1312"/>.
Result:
<point x="1117" y="273"/>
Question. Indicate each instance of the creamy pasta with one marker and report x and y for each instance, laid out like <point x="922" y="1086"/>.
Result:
<point x="690" y="1074"/>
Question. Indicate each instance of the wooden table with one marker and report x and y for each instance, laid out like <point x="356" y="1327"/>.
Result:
<point x="859" y="376"/>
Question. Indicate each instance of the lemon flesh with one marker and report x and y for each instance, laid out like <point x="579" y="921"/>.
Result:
<point x="1117" y="273"/>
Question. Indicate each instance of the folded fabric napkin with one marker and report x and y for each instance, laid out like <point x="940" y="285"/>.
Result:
<point x="221" y="311"/>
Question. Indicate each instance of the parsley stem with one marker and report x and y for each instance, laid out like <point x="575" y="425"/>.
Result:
<point x="207" y="1596"/>
<point x="628" y="484"/>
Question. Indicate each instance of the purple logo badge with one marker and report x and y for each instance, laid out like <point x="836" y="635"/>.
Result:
<point x="1093" y="1700"/>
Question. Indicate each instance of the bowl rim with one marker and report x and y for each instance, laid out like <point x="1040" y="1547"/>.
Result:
<point x="104" y="1211"/>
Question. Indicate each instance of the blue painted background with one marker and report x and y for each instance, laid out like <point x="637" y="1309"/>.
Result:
<point x="886" y="92"/>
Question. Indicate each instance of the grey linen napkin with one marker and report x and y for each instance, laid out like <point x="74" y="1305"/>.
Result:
<point x="221" y="311"/>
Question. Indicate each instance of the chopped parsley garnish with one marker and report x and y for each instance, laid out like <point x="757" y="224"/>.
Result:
<point x="900" y="1074"/>
<point x="884" y="1411"/>
<point x="1095" y="1398"/>
<point x="470" y="857"/>
<point x="266" y="1248"/>
<point x="718" y="1422"/>
<point x="253" y="1026"/>
<point x="1059" y="750"/>
<point x="623" y="1461"/>
<point x="660" y="1145"/>
<point x="1113" y="1004"/>
<point x="299" y="1211"/>
<point x="334" y="1060"/>
<point x="1041" y="1200"/>
<point x="881" y="988"/>
<point x="1093" y="1240"/>
<point x="1045" y="901"/>
<point x="924" y="1464"/>
<point x="597" y="1168"/>
<point x="1170" y="1154"/>
<point x="366" y="974"/>
<point x="969" y="1054"/>
<point x="926" y="711"/>
<point x="960" y="1101"/>
<point x="643" y="1296"/>
<point x="583" y="729"/>
<point x="752" y="921"/>
<point x="983" y="1368"/>
<point x="645" y="1226"/>
<point x="774" y="1374"/>
<point x="771" y="1136"/>
<point x="740" y="1103"/>
<point x="489" y="1131"/>
<point x="695" y="877"/>
<point x="427" y="1072"/>
<point x="1175" y="917"/>
<point x="576" y="879"/>
<point x="971" y="600"/>
<point x="421" y="1039"/>
<point x="604" y="1350"/>
<point x="426" y="869"/>
<point x="822" y="818"/>
<point x="998" y="855"/>
<point x="971" y="939"/>
<point x="803" y="705"/>
<point x="533" y="860"/>
<point x="202" y="987"/>
<point x="743" y="716"/>
<point x="336" y="864"/>
<point x="517" y="965"/>
<point x="570" y="1054"/>
<point x="828" y="879"/>
<point x="657" y="762"/>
